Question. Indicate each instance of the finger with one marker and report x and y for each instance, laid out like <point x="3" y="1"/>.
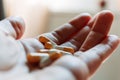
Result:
<point x="19" y="26"/>
<point x="77" y="40"/>
<point x="13" y="26"/>
<point x="66" y="31"/>
<point x="100" y="30"/>
<point x="96" y="55"/>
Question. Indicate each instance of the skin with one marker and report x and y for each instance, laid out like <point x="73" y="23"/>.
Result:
<point x="80" y="32"/>
<point x="25" y="9"/>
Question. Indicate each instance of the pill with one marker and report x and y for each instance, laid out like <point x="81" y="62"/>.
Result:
<point x="49" y="45"/>
<point x="50" y="51"/>
<point x="39" y="58"/>
<point x="43" y="39"/>
<point x="45" y="56"/>
<point x="65" y="53"/>
<point x="55" y="56"/>
<point x="45" y="60"/>
<point x="65" y="48"/>
<point x="31" y="58"/>
<point x="43" y="51"/>
<point x="42" y="59"/>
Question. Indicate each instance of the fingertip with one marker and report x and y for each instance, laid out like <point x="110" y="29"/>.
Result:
<point x="85" y="15"/>
<point x="103" y="14"/>
<point x="81" y="19"/>
<point x="82" y="15"/>
<point x="103" y="22"/>
<point x="18" y="24"/>
<point x="21" y="24"/>
<point x="107" y="14"/>
<point x="20" y="21"/>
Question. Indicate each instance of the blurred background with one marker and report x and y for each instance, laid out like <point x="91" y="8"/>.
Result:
<point x="45" y="15"/>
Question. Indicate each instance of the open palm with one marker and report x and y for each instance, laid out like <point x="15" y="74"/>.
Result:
<point x="88" y="36"/>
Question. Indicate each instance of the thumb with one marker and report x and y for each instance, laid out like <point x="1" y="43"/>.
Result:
<point x="13" y="26"/>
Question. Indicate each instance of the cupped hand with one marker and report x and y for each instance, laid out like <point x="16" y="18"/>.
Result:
<point x="88" y="36"/>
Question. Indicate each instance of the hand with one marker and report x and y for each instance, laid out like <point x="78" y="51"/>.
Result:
<point x="88" y="36"/>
